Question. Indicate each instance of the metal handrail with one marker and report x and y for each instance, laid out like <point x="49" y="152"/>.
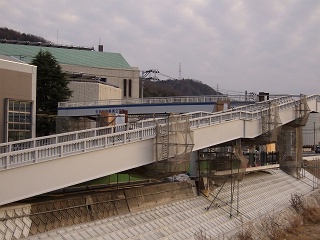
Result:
<point x="70" y="136"/>
<point x="180" y="99"/>
<point x="60" y="145"/>
<point x="157" y="100"/>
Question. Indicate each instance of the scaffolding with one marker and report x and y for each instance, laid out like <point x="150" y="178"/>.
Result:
<point x="302" y="111"/>
<point x="230" y="166"/>
<point x="173" y="146"/>
<point x="271" y="124"/>
<point x="218" y="166"/>
<point x="289" y="143"/>
<point x="174" y="139"/>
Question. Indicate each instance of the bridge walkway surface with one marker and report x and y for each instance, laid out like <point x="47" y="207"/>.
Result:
<point x="35" y="166"/>
<point x="152" y="105"/>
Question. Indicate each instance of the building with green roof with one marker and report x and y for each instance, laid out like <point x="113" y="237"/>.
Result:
<point x="83" y="65"/>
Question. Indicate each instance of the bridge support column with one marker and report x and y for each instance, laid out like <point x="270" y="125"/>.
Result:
<point x="289" y="145"/>
<point x="194" y="164"/>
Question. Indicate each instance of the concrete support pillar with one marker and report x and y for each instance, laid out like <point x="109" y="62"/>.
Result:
<point x="289" y="146"/>
<point x="299" y="144"/>
<point x="194" y="164"/>
<point x="252" y="156"/>
<point x="284" y="146"/>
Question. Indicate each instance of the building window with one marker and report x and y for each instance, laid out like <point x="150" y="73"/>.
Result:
<point x="18" y="119"/>
<point x="124" y="87"/>
<point x="130" y="87"/>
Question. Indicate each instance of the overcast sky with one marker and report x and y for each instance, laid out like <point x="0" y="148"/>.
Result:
<point x="254" y="45"/>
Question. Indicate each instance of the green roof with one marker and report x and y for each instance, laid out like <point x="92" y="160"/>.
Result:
<point x="86" y="58"/>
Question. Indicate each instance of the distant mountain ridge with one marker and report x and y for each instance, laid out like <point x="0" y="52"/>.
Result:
<point x="10" y="34"/>
<point x="183" y="87"/>
<point x="165" y="88"/>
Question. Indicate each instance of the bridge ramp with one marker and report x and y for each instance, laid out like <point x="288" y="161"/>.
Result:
<point x="42" y="165"/>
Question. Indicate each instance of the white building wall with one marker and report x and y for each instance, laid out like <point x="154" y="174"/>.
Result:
<point x="92" y="91"/>
<point x="113" y="76"/>
<point x="311" y="131"/>
<point x="108" y="92"/>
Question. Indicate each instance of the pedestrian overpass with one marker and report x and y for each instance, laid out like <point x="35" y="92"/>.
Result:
<point x="36" y="166"/>
<point x="158" y="105"/>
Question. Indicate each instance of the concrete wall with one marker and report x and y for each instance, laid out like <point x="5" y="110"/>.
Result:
<point x="113" y="76"/>
<point x="151" y="196"/>
<point x="15" y="221"/>
<point x="65" y="210"/>
<point x="92" y="91"/>
<point x="17" y="81"/>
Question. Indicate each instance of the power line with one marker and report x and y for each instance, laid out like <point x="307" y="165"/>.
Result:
<point x="172" y="78"/>
<point x="231" y="91"/>
<point x="226" y="91"/>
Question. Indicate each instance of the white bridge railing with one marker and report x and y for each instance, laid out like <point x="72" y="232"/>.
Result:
<point x="30" y="151"/>
<point x="184" y="99"/>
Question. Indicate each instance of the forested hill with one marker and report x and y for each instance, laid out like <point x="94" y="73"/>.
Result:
<point x="184" y="87"/>
<point x="10" y="34"/>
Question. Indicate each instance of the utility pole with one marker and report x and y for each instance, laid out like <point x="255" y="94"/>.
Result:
<point x="149" y="75"/>
<point x="314" y="135"/>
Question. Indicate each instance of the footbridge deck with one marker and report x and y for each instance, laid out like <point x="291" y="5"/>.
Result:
<point x="35" y="166"/>
<point x="150" y="105"/>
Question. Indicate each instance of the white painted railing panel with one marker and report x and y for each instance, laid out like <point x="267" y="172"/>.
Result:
<point x="184" y="99"/>
<point x="219" y="133"/>
<point x="54" y="151"/>
<point x="30" y="180"/>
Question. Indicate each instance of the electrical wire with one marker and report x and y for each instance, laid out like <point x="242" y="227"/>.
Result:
<point x="225" y="91"/>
